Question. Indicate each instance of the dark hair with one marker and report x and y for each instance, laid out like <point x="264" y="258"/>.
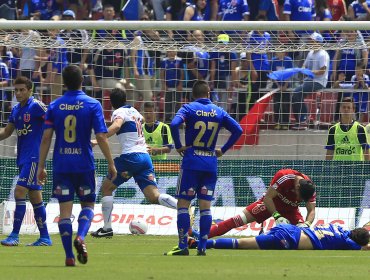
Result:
<point x="118" y="98"/>
<point x="306" y="189"/>
<point x="108" y="6"/>
<point x="347" y="100"/>
<point x="72" y="77"/>
<point x="200" y="89"/>
<point x="360" y="235"/>
<point x="360" y="64"/>
<point x="22" y="80"/>
<point x="149" y="105"/>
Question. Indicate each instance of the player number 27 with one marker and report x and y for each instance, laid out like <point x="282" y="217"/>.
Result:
<point x="70" y="128"/>
<point x="213" y="126"/>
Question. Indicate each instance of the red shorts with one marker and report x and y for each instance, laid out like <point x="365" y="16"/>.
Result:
<point x="259" y="211"/>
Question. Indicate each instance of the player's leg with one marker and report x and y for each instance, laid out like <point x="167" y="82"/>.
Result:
<point x="20" y="194"/>
<point x="40" y="218"/>
<point x="260" y="214"/>
<point x="185" y="192"/>
<point x="107" y="200"/>
<point x="63" y="191"/>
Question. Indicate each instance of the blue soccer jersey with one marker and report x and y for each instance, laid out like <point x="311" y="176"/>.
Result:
<point x="28" y="122"/>
<point x="203" y="122"/>
<point x="223" y="64"/>
<point x="233" y="9"/>
<point x="300" y="10"/>
<point x="172" y="71"/>
<point x="72" y="116"/>
<point x="271" y="7"/>
<point x="331" y="237"/>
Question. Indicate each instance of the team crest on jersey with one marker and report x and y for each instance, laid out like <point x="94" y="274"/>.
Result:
<point x="260" y="207"/>
<point x="26" y="117"/>
<point x="151" y="177"/>
<point x="274" y="186"/>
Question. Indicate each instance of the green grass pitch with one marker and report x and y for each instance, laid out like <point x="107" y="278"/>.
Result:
<point x="141" y="257"/>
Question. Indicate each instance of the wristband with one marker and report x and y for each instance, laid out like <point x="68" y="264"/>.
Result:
<point x="276" y="215"/>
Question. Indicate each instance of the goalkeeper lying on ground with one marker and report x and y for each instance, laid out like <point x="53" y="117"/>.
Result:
<point x="291" y="237"/>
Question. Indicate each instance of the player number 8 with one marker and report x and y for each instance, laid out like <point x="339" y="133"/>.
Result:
<point x="70" y="128"/>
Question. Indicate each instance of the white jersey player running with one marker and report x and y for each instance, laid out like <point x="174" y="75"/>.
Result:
<point x="134" y="161"/>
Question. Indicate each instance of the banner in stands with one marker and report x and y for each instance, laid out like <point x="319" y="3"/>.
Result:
<point x="162" y="220"/>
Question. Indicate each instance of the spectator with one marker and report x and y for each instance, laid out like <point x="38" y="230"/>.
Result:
<point x="317" y="61"/>
<point x="322" y="11"/>
<point x="75" y="55"/>
<point x="176" y="11"/>
<point x="281" y="98"/>
<point x="345" y="60"/>
<point x="5" y="97"/>
<point x="222" y="66"/>
<point x="211" y="9"/>
<point x="361" y="81"/>
<point x="347" y="138"/>
<point x="172" y="78"/>
<point x="43" y="9"/>
<point x="338" y="8"/>
<point x="195" y="12"/>
<point x="143" y="62"/>
<point x="260" y="62"/>
<point x="244" y="76"/>
<point x="357" y="11"/>
<point x="82" y="8"/>
<point x="57" y="62"/>
<point x="235" y="10"/>
<point x="269" y="9"/>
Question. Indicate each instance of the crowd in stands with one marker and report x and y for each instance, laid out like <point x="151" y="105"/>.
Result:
<point x="236" y="80"/>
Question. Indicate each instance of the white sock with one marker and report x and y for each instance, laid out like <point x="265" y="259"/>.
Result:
<point x="243" y="217"/>
<point x="107" y="207"/>
<point x="167" y="201"/>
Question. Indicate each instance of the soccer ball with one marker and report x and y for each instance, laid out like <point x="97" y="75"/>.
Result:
<point x="138" y="226"/>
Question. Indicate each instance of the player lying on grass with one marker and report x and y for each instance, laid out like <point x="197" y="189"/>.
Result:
<point x="291" y="237"/>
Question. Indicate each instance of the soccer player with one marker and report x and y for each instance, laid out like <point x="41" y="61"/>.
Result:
<point x="133" y="162"/>
<point x="287" y="189"/>
<point x="157" y="134"/>
<point x="291" y="237"/>
<point x="203" y="121"/>
<point x="27" y="118"/>
<point x="72" y="117"/>
<point x="347" y="138"/>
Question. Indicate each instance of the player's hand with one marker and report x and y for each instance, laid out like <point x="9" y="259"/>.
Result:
<point x="306" y="224"/>
<point x="219" y="153"/>
<point x="41" y="176"/>
<point x="112" y="172"/>
<point x="182" y="150"/>
<point x="152" y="151"/>
<point x="93" y="142"/>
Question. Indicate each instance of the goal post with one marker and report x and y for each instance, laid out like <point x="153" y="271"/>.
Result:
<point x="158" y="61"/>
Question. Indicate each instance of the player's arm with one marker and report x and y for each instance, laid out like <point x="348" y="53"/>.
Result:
<point x="311" y="212"/>
<point x="175" y="131"/>
<point x="6" y="131"/>
<point x="330" y="144"/>
<point x="235" y="132"/>
<point x="115" y="126"/>
<point x="270" y="206"/>
<point x="44" y="149"/>
<point x="102" y="140"/>
<point x="362" y="139"/>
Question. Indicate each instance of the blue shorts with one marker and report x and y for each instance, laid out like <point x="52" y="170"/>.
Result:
<point x="281" y="237"/>
<point x="196" y="182"/>
<point x="65" y="185"/>
<point x="137" y="165"/>
<point x="27" y="176"/>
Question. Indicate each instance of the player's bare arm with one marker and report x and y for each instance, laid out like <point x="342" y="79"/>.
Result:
<point x="6" y="131"/>
<point x="44" y="149"/>
<point x="102" y="140"/>
<point x="310" y="206"/>
<point x="113" y="128"/>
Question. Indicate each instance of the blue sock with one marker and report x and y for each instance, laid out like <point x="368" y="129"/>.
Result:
<point x="204" y="228"/>
<point x="183" y="225"/>
<point x="40" y="218"/>
<point x="225" y="243"/>
<point x="84" y="221"/>
<point x="20" y="210"/>
<point x="65" y="230"/>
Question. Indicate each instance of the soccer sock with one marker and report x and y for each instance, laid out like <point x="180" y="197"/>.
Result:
<point x="167" y="201"/>
<point x="84" y="221"/>
<point x="183" y="225"/>
<point x="225" y="243"/>
<point x="40" y="218"/>
<point x="227" y="225"/>
<point x="20" y="210"/>
<point x="204" y="227"/>
<point x="65" y="230"/>
<point x="107" y="208"/>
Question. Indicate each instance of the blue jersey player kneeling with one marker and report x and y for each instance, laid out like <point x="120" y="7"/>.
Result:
<point x="291" y="237"/>
<point x="203" y="121"/>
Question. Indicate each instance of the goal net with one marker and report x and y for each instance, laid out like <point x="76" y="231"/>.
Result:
<point x="158" y="62"/>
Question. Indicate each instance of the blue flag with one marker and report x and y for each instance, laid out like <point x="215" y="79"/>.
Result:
<point x="132" y="10"/>
<point x="283" y="75"/>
